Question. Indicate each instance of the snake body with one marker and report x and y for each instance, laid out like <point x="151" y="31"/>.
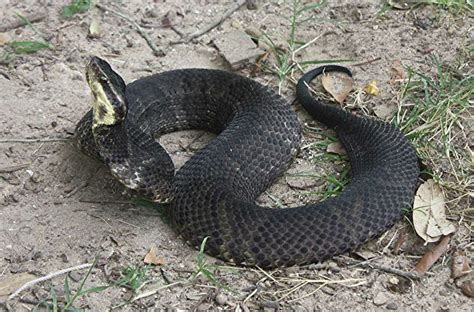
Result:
<point x="213" y="194"/>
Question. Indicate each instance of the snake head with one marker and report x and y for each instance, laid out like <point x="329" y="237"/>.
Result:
<point x="109" y="104"/>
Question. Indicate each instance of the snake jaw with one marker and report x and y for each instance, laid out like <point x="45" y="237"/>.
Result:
<point x="109" y="105"/>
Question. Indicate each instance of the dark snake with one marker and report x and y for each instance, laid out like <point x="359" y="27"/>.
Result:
<point x="258" y="134"/>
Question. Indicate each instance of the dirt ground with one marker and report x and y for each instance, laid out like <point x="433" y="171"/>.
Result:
<point x="60" y="209"/>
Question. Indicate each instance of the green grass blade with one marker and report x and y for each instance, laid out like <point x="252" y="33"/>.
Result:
<point x="26" y="47"/>
<point x="76" y="6"/>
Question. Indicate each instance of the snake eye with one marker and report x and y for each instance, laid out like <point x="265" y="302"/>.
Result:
<point x="104" y="78"/>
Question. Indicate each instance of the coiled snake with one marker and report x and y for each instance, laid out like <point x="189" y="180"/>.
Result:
<point x="213" y="194"/>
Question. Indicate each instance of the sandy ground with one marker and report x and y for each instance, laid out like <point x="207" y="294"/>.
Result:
<point x="59" y="209"/>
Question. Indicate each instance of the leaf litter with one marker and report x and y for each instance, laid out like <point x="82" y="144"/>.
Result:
<point x="339" y="85"/>
<point x="152" y="258"/>
<point x="429" y="216"/>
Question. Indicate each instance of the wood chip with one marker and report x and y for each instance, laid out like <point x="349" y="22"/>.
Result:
<point x="432" y="256"/>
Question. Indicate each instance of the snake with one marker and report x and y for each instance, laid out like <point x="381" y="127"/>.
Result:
<point x="211" y="198"/>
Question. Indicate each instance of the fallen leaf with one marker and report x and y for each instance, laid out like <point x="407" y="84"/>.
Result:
<point x="151" y="258"/>
<point x="432" y="256"/>
<point x="467" y="288"/>
<point x="339" y="85"/>
<point x="4" y="38"/>
<point x="94" y="29"/>
<point x="397" y="72"/>
<point x="460" y="266"/>
<point x="372" y="88"/>
<point x="429" y="218"/>
<point x="336" y="148"/>
<point x="10" y="284"/>
<point x="385" y="111"/>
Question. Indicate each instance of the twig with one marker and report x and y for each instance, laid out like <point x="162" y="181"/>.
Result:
<point x="77" y="189"/>
<point x="103" y="202"/>
<point x="154" y="291"/>
<point x="213" y="25"/>
<point x="14" y="140"/>
<point x="138" y="29"/>
<point x="47" y="277"/>
<point x="34" y="18"/>
<point x="378" y="58"/>
<point x="368" y="265"/>
<point x="203" y="299"/>
<point x="13" y="168"/>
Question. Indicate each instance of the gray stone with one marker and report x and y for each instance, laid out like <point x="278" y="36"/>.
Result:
<point x="221" y="299"/>
<point x="392" y="306"/>
<point x="380" y="299"/>
<point x="237" y="48"/>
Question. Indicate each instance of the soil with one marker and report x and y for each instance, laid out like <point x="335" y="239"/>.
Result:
<point x="59" y="208"/>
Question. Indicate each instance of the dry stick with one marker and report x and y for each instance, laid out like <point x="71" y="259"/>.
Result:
<point x="211" y="26"/>
<point x="409" y="275"/>
<point x="157" y="51"/>
<point x="37" y="17"/>
<point x="34" y="140"/>
<point x="154" y="291"/>
<point x="378" y="58"/>
<point x="47" y="277"/>
<point x="13" y="168"/>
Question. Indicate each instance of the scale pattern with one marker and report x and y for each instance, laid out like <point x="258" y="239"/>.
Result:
<point x="258" y="135"/>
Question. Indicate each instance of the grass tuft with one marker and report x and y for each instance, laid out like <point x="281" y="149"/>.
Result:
<point x="286" y="60"/>
<point x="75" y="7"/>
<point x="433" y="113"/>
<point x="206" y="269"/>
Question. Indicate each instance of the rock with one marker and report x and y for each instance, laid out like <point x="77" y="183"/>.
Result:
<point x="221" y="299"/>
<point x="270" y="305"/>
<point x="203" y="307"/>
<point x="237" y="48"/>
<point x="467" y="288"/>
<point x="391" y="306"/>
<point x="380" y="299"/>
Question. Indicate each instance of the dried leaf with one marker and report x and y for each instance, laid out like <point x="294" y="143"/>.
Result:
<point x="151" y="258"/>
<point x="432" y="256"/>
<point x="385" y="111"/>
<point x="339" y="85"/>
<point x="460" y="266"/>
<point x="336" y="148"/>
<point x="372" y="88"/>
<point x="4" y="38"/>
<point x="429" y="218"/>
<point x="397" y="72"/>
<point x="94" y="29"/>
<point x="11" y="283"/>
<point x="467" y="288"/>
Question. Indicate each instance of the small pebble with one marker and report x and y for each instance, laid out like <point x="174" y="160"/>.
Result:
<point x="270" y="304"/>
<point x="392" y="306"/>
<point x="380" y="299"/>
<point x="203" y="307"/>
<point x="221" y="299"/>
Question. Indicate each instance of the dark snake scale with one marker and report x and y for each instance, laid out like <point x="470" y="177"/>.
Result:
<point x="213" y="194"/>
